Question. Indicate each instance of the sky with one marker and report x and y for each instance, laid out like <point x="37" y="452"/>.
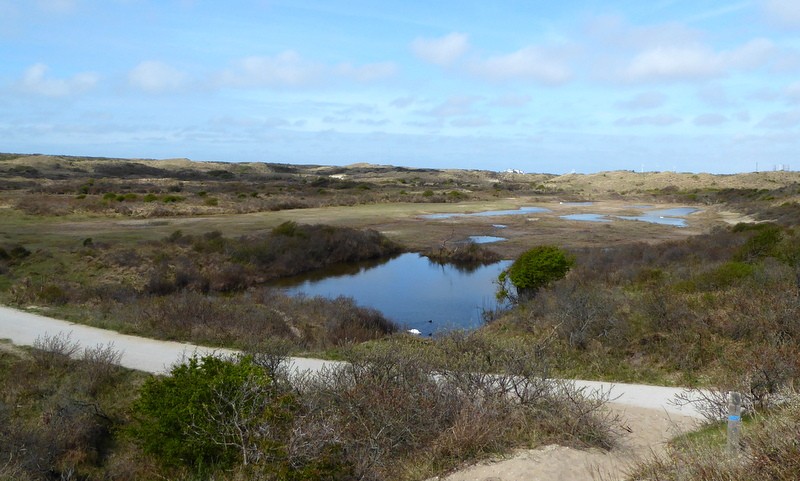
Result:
<point x="539" y="86"/>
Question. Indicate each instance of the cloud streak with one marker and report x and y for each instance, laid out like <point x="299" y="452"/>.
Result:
<point x="443" y="51"/>
<point x="536" y="64"/>
<point x="35" y="81"/>
<point x="156" y="77"/>
<point x="677" y="63"/>
<point x="289" y="70"/>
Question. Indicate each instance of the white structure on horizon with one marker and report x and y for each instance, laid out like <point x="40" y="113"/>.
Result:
<point x="513" y="171"/>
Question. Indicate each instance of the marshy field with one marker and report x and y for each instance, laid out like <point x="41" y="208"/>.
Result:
<point x="676" y="279"/>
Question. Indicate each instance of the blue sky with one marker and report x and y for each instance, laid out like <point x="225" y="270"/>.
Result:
<point x="542" y="86"/>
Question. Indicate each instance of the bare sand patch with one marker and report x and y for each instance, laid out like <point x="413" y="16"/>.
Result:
<point x="644" y="433"/>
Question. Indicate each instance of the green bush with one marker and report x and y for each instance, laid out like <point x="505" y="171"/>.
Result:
<point x="762" y="244"/>
<point x="211" y="413"/>
<point x="724" y="276"/>
<point x="534" y="269"/>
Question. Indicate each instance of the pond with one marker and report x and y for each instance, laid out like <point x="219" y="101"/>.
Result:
<point x="673" y="217"/>
<point x="587" y="217"/>
<point x="490" y="213"/>
<point x="485" y="239"/>
<point x="412" y="291"/>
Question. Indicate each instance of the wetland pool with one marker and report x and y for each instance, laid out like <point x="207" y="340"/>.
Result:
<point x="411" y="290"/>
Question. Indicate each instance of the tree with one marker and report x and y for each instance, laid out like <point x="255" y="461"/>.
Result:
<point x="534" y="269"/>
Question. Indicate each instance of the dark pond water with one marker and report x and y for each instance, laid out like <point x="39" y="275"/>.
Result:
<point x="412" y="291"/>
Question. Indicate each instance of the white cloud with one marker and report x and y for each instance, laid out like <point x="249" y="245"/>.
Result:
<point x="710" y="120"/>
<point x="35" y="81"/>
<point x="654" y="120"/>
<point x="793" y="93"/>
<point x="696" y="61"/>
<point x="456" y="106"/>
<point x="289" y="69"/>
<point x="403" y="102"/>
<point x="530" y="63"/>
<point x="57" y="6"/>
<point x="784" y="12"/>
<point x="714" y="96"/>
<point x="613" y="32"/>
<point x="368" y="72"/>
<point x="471" y="122"/>
<point x="443" y="51"/>
<point x="286" y="69"/>
<point x="781" y="120"/>
<point x="512" y="100"/>
<point x="644" y="101"/>
<point x="156" y="77"/>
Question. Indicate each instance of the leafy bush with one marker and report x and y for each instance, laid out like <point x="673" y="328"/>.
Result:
<point x="210" y="412"/>
<point x="723" y="276"/>
<point x="534" y="269"/>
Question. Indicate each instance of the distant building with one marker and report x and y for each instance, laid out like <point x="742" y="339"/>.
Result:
<point x="513" y="171"/>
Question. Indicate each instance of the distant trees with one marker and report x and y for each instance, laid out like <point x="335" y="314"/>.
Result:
<point x="534" y="269"/>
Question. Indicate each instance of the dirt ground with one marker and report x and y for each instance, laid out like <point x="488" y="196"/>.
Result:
<point x="406" y="224"/>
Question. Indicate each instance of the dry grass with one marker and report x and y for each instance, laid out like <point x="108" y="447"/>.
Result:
<point x="769" y="450"/>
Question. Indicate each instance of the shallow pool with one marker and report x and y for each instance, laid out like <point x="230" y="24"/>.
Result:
<point x="587" y="217"/>
<point x="489" y="213"/>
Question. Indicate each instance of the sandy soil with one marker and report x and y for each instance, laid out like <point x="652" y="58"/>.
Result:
<point x="644" y="433"/>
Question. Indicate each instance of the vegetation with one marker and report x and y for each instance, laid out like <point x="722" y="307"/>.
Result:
<point x="533" y="270"/>
<point x="692" y="312"/>
<point x="381" y="416"/>
<point x="172" y="288"/>
<point x="769" y="450"/>
<point x="119" y="243"/>
<point x="463" y="254"/>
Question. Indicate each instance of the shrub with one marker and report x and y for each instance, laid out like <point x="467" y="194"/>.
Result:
<point x="762" y="244"/>
<point x="211" y="412"/>
<point x="534" y="269"/>
<point x="54" y="351"/>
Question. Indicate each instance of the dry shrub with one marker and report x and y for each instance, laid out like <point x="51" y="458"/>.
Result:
<point x="428" y="407"/>
<point x="769" y="451"/>
<point x="581" y="314"/>
<point x="100" y="365"/>
<point x="54" y="351"/>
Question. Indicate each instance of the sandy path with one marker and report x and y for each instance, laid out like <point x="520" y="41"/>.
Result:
<point x="150" y="355"/>
<point x="648" y="417"/>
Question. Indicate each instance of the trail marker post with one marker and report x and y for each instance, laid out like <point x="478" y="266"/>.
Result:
<point x="734" y="421"/>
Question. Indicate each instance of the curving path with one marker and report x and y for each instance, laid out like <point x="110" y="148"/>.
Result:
<point x="647" y="416"/>
<point x="156" y="356"/>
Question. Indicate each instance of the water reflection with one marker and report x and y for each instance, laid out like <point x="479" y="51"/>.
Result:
<point x="412" y="291"/>
<point x="485" y="239"/>
<point x="671" y="217"/>
<point x="489" y="213"/>
<point x="587" y="217"/>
